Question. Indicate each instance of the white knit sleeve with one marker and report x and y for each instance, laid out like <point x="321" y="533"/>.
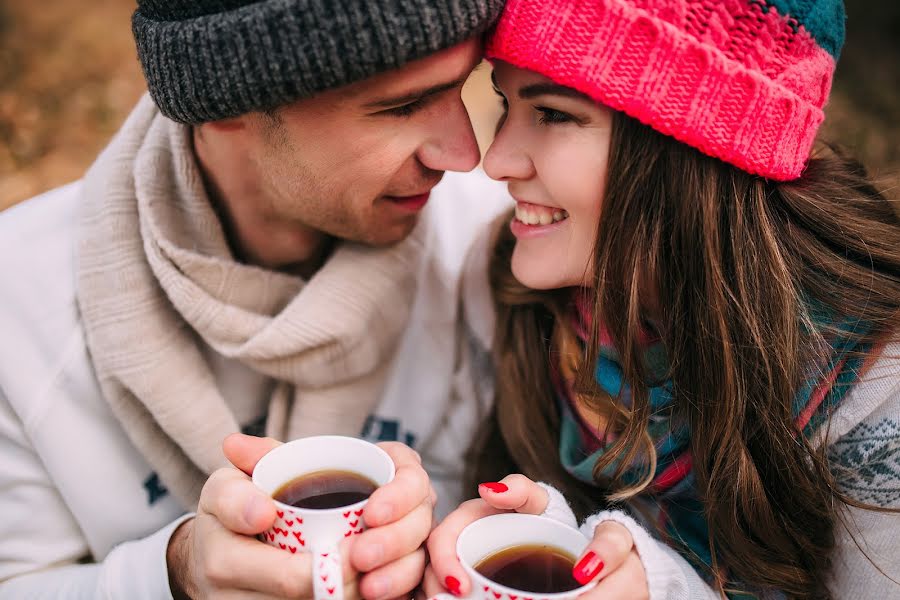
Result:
<point x="557" y="508"/>
<point x="669" y="576"/>
<point x="866" y="465"/>
<point x="135" y="570"/>
<point x="37" y="565"/>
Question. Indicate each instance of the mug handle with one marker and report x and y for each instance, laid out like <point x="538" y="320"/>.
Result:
<point x="328" y="576"/>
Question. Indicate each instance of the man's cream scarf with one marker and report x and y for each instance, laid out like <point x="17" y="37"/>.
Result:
<point x="156" y="280"/>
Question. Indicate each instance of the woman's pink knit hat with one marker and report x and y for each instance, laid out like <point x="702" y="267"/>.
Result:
<point x="741" y="80"/>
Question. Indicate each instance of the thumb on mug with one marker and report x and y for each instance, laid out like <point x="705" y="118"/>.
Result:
<point x="517" y="493"/>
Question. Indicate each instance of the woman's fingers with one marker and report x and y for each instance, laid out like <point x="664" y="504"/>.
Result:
<point x="611" y="545"/>
<point x="394" y="580"/>
<point x="431" y="586"/>
<point x="628" y="582"/>
<point x="442" y="544"/>
<point x="515" y="492"/>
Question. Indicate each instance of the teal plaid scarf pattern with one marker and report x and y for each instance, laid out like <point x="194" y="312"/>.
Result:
<point x="679" y="511"/>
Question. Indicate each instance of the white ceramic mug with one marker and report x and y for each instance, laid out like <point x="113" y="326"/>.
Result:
<point x="319" y="531"/>
<point x="490" y="535"/>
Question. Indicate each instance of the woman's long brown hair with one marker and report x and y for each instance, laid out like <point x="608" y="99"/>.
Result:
<point x="728" y="265"/>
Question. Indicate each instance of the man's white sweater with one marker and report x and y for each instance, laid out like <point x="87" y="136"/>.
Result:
<point x="74" y="490"/>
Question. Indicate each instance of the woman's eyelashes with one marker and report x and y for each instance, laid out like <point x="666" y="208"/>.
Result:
<point x="549" y="116"/>
<point x="546" y="115"/>
<point x="503" y="101"/>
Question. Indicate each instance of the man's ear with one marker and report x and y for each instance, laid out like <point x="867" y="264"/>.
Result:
<point x="228" y="125"/>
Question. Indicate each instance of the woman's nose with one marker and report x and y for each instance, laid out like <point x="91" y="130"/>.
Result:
<point x="508" y="157"/>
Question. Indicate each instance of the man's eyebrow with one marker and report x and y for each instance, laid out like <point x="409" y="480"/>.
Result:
<point x="416" y="94"/>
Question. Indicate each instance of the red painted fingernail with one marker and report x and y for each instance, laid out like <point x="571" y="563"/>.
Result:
<point x="497" y="488"/>
<point x="587" y="568"/>
<point x="452" y="584"/>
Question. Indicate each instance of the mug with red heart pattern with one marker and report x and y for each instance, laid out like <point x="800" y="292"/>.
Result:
<point x="320" y="486"/>
<point x="498" y="538"/>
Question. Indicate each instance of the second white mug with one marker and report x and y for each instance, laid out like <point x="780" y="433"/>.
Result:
<point x="490" y="535"/>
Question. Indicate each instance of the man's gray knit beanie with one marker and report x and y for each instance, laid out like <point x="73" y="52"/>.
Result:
<point x="206" y="60"/>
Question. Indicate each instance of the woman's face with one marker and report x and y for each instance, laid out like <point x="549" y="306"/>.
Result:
<point x="551" y="149"/>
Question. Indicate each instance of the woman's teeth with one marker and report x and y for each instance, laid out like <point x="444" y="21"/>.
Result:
<point x="539" y="215"/>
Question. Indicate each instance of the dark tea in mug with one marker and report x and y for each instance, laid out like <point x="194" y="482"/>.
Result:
<point x="538" y="569"/>
<point x="325" y="489"/>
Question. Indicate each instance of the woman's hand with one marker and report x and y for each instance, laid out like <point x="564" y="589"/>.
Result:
<point x="515" y="493"/>
<point x="612" y="558"/>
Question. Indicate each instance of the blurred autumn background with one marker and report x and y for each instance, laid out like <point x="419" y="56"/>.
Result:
<point x="69" y="76"/>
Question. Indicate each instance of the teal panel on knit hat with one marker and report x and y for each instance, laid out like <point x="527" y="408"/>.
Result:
<point x="823" y="19"/>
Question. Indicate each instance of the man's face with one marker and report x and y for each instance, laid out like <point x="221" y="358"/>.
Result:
<point x="358" y="162"/>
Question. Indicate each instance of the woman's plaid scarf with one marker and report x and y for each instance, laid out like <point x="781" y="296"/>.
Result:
<point x="672" y="493"/>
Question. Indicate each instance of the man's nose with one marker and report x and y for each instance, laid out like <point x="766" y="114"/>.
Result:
<point x="452" y="145"/>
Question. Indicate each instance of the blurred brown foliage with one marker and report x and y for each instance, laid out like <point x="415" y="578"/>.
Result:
<point x="69" y="76"/>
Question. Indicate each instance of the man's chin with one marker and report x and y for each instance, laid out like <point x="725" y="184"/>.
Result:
<point x="391" y="234"/>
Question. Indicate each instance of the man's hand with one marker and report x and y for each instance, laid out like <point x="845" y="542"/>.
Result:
<point x="399" y="516"/>
<point x="216" y="554"/>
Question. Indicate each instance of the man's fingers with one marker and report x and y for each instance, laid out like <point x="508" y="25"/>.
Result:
<point x="515" y="492"/>
<point x="607" y="551"/>
<point x="236" y="562"/>
<point x="400" y="453"/>
<point x="379" y="546"/>
<point x="236" y="502"/>
<point x="232" y="561"/>
<point x="409" y="488"/>
<point x="245" y="595"/>
<point x="442" y="544"/>
<point x="394" y="580"/>
<point x="244" y="451"/>
<point x="628" y="582"/>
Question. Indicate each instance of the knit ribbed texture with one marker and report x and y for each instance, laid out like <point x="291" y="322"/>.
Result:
<point x="210" y="59"/>
<point x="738" y="79"/>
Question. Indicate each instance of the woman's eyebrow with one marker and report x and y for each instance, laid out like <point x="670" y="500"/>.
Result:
<point x="543" y="89"/>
